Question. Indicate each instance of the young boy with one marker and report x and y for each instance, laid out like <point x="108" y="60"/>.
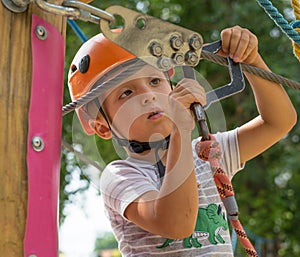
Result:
<point x="162" y="200"/>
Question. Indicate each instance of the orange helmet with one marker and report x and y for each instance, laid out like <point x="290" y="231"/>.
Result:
<point x="95" y="58"/>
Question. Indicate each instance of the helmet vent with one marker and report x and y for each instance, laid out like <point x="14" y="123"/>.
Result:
<point x="84" y="64"/>
<point x="73" y="68"/>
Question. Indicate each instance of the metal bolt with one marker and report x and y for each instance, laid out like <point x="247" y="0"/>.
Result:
<point x="176" y="42"/>
<point x="156" y="49"/>
<point x="191" y="58"/>
<point x="16" y="6"/>
<point x="41" y="32"/>
<point x="178" y="58"/>
<point x="164" y="63"/>
<point x="195" y="42"/>
<point x="37" y="143"/>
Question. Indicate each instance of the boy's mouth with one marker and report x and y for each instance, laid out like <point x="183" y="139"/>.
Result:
<point x="155" y="115"/>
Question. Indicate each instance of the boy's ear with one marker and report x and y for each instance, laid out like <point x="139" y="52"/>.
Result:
<point x="100" y="128"/>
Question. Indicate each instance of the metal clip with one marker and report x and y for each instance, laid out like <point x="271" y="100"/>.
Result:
<point x="89" y="13"/>
<point x="75" y="10"/>
<point x="161" y="44"/>
<point x="57" y="9"/>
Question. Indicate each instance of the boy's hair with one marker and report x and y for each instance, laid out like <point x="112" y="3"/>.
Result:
<point x="93" y="60"/>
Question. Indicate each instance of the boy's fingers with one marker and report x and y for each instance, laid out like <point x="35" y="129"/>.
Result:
<point x="231" y="41"/>
<point x="239" y="53"/>
<point x="234" y="41"/>
<point x="252" y="49"/>
<point x="238" y="43"/>
<point x="188" y="91"/>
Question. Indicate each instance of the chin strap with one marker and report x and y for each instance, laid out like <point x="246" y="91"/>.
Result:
<point x="139" y="147"/>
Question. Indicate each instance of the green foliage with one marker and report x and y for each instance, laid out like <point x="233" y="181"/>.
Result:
<point x="106" y="241"/>
<point x="268" y="188"/>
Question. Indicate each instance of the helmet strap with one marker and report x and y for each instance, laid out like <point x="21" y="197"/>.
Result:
<point x="96" y="100"/>
<point x="139" y="147"/>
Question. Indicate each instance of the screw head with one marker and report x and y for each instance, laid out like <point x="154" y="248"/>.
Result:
<point x="178" y="58"/>
<point x="164" y="63"/>
<point x="195" y="42"/>
<point x="191" y="58"/>
<point x="37" y="143"/>
<point x="176" y="42"/>
<point x="41" y="32"/>
<point x="15" y="6"/>
<point x="156" y="49"/>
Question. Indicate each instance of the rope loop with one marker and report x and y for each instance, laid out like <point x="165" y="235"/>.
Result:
<point x="295" y="24"/>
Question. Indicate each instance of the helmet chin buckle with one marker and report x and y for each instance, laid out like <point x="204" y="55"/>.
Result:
<point x="140" y="147"/>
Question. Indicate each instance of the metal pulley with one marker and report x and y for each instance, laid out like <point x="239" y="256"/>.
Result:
<point x="159" y="43"/>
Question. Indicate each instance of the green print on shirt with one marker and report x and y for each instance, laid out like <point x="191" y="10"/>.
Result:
<point x="210" y="221"/>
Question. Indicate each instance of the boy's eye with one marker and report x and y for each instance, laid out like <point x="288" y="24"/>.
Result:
<point x="155" y="82"/>
<point x="126" y="93"/>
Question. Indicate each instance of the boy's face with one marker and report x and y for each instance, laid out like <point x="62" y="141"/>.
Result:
<point x="138" y="108"/>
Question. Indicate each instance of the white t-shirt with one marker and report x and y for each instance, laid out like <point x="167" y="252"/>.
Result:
<point x="123" y="181"/>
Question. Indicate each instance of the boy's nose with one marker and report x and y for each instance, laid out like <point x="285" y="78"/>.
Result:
<point x="148" y="97"/>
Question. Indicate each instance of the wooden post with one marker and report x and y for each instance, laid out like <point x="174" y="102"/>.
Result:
<point x="15" y="77"/>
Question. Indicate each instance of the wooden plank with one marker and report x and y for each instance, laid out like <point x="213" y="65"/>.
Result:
<point x="15" y="77"/>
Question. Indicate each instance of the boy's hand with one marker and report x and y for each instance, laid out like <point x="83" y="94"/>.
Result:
<point x="186" y="92"/>
<point x="239" y="44"/>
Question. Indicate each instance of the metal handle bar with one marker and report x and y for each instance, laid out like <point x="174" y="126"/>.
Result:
<point x="236" y="85"/>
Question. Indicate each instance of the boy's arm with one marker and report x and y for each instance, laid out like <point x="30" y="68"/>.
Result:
<point x="276" y="117"/>
<point x="172" y="212"/>
<point x="276" y="112"/>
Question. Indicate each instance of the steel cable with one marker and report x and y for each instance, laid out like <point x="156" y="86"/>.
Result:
<point x="253" y="70"/>
<point x="204" y="55"/>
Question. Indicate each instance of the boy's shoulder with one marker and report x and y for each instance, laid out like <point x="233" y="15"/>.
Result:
<point x="129" y="167"/>
<point x="128" y="163"/>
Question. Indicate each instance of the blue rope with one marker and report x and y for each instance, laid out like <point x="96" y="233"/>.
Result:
<point x="280" y="21"/>
<point x="77" y="30"/>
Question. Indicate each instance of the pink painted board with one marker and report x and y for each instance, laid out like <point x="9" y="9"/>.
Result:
<point x="45" y="121"/>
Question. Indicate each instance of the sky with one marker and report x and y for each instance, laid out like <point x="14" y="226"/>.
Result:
<point x="84" y="222"/>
